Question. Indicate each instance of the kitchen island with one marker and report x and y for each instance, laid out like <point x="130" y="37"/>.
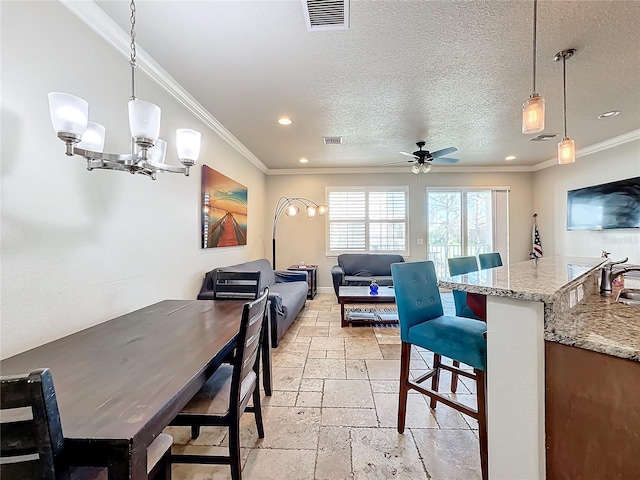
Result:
<point x="554" y="300"/>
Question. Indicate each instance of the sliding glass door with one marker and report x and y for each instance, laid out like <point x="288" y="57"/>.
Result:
<point x="460" y="222"/>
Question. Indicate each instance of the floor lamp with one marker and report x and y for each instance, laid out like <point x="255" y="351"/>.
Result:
<point x="289" y="206"/>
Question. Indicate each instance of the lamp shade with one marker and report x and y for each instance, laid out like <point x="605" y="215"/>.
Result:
<point x="69" y="114"/>
<point x="566" y="151"/>
<point x="426" y="167"/>
<point x="322" y="209"/>
<point x="158" y="152"/>
<point x="93" y="138"/>
<point x="533" y="114"/>
<point x="144" y="119"/>
<point x="188" y="144"/>
<point x="292" y="210"/>
<point x="312" y="211"/>
<point x="416" y="168"/>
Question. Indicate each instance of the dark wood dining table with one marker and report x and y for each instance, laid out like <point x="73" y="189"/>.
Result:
<point x="119" y="383"/>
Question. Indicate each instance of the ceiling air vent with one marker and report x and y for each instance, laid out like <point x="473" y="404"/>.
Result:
<point x="332" y="140"/>
<point x="326" y="14"/>
<point x="544" y="137"/>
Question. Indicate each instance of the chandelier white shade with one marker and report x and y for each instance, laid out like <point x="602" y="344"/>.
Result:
<point x="188" y="143"/>
<point x="70" y="119"/>
<point x="158" y="152"/>
<point x="69" y="114"/>
<point x="93" y="138"/>
<point x="144" y="120"/>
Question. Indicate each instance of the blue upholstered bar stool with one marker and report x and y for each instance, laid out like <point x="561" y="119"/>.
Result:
<point x="460" y="266"/>
<point x="490" y="260"/>
<point x="423" y="323"/>
<point x="468" y="305"/>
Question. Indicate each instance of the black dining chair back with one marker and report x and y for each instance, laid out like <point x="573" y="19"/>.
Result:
<point x="236" y="285"/>
<point x="32" y="441"/>
<point x="490" y="260"/>
<point x="31" y="429"/>
<point x="225" y="396"/>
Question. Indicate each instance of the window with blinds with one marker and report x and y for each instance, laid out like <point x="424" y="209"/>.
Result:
<point x="367" y="219"/>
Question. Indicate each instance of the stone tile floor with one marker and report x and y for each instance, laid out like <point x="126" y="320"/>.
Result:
<point x="333" y="412"/>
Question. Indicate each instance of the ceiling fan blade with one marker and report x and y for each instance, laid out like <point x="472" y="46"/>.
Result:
<point x="443" y="152"/>
<point x="445" y="160"/>
<point x="407" y="154"/>
<point x="401" y="161"/>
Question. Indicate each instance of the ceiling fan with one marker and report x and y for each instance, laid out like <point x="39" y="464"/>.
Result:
<point x="422" y="159"/>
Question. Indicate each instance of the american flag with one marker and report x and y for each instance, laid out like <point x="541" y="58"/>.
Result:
<point x="537" y="244"/>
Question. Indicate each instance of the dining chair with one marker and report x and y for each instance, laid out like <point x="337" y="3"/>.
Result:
<point x="245" y="285"/>
<point x="424" y="324"/>
<point x="470" y="305"/>
<point x="32" y="440"/>
<point x="225" y="396"/>
<point x="490" y="260"/>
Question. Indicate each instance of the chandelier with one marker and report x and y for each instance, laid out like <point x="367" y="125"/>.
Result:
<point x="70" y="114"/>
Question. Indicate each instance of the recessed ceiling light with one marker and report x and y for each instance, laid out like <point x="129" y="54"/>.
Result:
<point x="285" y="121"/>
<point x="612" y="113"/>
<point x="303" y="160"/>
<point x="510" y="157"/>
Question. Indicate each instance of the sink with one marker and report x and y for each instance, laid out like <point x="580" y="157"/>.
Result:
<point x="629" y="296"/>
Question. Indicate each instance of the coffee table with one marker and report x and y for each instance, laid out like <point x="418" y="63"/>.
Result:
<point x="348" y="294"/>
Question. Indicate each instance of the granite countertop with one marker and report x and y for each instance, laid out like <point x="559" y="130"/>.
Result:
<point x="537" y="281"/>
<point x="596" y="323"/>
<point x="600" y="324"/>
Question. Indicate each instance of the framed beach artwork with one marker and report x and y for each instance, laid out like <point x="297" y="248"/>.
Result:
<point x="224" y="210"/>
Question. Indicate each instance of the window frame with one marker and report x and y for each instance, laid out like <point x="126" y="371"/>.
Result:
<point x="367" y="221"/>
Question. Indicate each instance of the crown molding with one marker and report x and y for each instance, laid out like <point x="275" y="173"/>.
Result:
<point x="596" y="147"/>
<point x="382" y="170"/>
<point x="96" y="19"/>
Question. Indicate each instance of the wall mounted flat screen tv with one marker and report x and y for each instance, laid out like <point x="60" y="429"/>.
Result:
<point x="606" y="206"/>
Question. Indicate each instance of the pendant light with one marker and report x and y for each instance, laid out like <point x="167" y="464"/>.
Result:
<point x="533" y="107"/>
<point x="567" y="147"/>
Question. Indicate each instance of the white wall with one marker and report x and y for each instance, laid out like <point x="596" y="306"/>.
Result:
<point x="302" y="238"/>
<point x="79" y="247"/>
<point x="550" y="188"/>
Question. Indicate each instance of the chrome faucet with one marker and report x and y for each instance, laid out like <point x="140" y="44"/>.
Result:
<point x="609" y="274"/>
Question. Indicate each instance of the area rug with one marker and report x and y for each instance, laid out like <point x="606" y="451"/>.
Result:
<point x="374" y="314"/>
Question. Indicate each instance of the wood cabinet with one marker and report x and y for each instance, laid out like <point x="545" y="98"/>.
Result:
<point x="592" y="414"/>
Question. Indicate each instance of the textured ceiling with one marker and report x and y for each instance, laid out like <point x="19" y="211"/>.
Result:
<point x="452" y="73"/>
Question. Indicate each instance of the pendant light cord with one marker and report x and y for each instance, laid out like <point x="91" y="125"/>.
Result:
<point x="564" y="93"/>
<point x="535" y="29"/>
<point x="132" y="61"/>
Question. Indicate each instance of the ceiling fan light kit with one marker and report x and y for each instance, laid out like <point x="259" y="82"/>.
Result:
<point x="567" y="147"/>
<point x="533" y="108"/>
<point x="422" y="159"/>
<point x="70" y="115"/>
